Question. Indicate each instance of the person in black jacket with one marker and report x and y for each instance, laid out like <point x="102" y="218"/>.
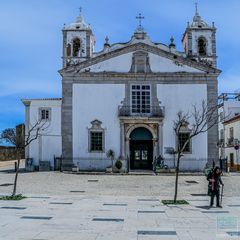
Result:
<point x="215" y="180"/>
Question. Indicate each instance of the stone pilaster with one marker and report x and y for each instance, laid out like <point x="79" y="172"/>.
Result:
<point x="88" y="44"/>
<point x="64" y="64"/>
<point x="67" y="148"/>
<point x="160" y="139"/>
<point x="214" y="51"/>
<point x="122" y="142"/>
<point x="190" y="49"/>
<point x="127" y="151"/>
<point x="27" y="124"/>
<point x="155" y="148"/>
<point x="212" y="98"/>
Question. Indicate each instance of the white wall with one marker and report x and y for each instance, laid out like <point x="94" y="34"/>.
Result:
<point x="91" y="102"/>
<point x="181" y="97"/>
<point x="116" y="64"/>
<point x="236" y="135"/>
<point x="123" y="64"/>
<point x="161" y="64"/>
<point x="231" y="108"/>
<point x="49" y="143"/>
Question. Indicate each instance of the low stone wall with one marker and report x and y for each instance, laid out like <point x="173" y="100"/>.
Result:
<point x="8" y="153"/>
<point x="188" y="165"/>
<point x="92" y="164"/>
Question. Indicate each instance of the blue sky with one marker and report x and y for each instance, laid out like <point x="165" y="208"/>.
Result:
<point x="31" y="40"/>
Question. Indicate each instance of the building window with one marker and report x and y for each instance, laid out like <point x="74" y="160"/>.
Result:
<point x="231" y="141"/>
<point x="231" y="133"/>
<point x="76" y="47"/>
<point x="96" y="141"/>
<point x="141" y="99"/>
<point x="221" y="137"/>
<point x="140" y="62"/>
<point x="202" y="47"/>
<point x="45" y="114"/>
<point x="182" y="138"/>
<point x="96" y="137"/>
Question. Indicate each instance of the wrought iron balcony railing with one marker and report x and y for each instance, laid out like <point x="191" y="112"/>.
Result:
<point x="233" y="142"/>
<point x="151" y="111"/>
<point x="230" y="141"/>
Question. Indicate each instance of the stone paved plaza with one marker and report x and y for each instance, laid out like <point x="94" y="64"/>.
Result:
<point x="104" y="207"/>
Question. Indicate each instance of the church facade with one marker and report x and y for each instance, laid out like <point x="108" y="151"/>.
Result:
<point x="125" y="98"/>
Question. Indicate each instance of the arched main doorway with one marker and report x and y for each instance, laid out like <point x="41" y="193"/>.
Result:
<point x="141" y="149"/>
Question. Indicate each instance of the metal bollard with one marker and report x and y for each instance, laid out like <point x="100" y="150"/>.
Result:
<point x="15" y="166"/>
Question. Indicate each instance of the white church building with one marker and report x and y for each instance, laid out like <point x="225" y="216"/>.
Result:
<point x="125" y="98"/>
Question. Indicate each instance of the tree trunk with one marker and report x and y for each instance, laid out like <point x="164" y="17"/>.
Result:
<point x="176" y="181"/>
<point x="16" y="177"/>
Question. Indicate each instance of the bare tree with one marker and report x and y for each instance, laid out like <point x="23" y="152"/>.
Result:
<point x="202" y="119"/>
<point x="10" y="136"/>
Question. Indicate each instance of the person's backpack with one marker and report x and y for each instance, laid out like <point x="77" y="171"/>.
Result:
<point x="210" y="186"/>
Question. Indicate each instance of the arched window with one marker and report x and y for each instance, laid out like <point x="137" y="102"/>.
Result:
<point x="76" y="47"/>
<point x="202" y="47"/>
<point x="69" y="50"/>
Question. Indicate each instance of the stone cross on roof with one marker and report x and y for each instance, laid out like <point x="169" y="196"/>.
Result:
<point x="140" y="18"/>
<point x="196" y="7"/>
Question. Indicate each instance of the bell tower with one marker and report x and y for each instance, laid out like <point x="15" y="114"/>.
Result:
<point x="199" y="41"/>
<point x="78" y="42"/>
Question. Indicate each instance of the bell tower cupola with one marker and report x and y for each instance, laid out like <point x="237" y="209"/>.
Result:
<point x="78" y="42"/>
<point x="199" y="41"/>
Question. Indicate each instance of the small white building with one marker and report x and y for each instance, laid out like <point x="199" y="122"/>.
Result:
<point x="49" y="143"/>
<point x="125" y="98"/>
<point x="232" y="135"/>
<point x="229" y="129"/>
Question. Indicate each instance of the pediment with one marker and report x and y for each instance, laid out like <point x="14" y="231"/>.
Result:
<point x="140" y="57"/>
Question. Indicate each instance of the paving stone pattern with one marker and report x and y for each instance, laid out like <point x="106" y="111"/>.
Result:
<point x="199" y="194"/>
<point x="195" y="182"/>
<point x="108" y="219"/>
<point x="164" y="233"/>
<point x="61" y="203"/>
<point x="115" y="204"/>
<point x="14" y="208"/>
<point x="6" y="184"/>
<point x="36" y="217"/>
<point x="117" y="208"/>
<point x="76" y="191"/>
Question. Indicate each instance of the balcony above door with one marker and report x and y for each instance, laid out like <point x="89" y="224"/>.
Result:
<point x="148" y="111"/>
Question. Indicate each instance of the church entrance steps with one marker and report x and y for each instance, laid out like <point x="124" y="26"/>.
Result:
<point x="141" y="172"/>
<point x="136" y="173"/>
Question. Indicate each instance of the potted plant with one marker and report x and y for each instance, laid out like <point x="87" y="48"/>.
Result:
<point x="110" y="154"/>
<point x="118" y="165"/>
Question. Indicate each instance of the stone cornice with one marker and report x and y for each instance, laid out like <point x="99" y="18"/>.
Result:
<point x="100" y="79"/>
<point x="26" y="103"/>
<point x="123" y="78"/>
<point x="136" y="47"/>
